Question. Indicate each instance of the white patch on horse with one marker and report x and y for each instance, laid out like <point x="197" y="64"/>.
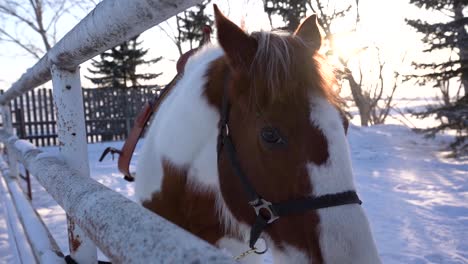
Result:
<point x="345" y="235"/>
<point x="203" y="172"/>
<point x="229" y="222"/>
<point x="336" y="174"/>
<point x="149" y="169"/>
<point x="290" y="254"/>
<point x="182" y="130"/>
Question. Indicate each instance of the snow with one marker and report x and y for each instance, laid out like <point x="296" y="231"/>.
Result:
<point x="34" y="227"/>
<point x="20" y="250"/>
<point x="22" y="145"/>
<point x="8" y="249"/>
<point x="416" y="200"/>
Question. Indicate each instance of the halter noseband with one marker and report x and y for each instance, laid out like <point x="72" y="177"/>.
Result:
<point x="268" y="212"/>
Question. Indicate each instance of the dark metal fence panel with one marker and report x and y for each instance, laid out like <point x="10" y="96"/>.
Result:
<point x="109" y="114"/>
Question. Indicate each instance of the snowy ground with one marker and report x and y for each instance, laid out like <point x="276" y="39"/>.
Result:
<point x="416" y="200"/>
<point x="6" y="249"/>
<point x="417" y="203"/>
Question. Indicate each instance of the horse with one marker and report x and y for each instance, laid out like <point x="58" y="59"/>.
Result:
<point x="251" y="143"/>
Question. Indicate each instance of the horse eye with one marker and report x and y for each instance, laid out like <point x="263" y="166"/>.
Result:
<point x="270" y="135"/>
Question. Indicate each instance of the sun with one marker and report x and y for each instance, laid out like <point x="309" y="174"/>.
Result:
<point x="347" y="45"/>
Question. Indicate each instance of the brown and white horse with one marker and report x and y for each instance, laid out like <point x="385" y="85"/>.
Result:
<point x="289" y="140"/>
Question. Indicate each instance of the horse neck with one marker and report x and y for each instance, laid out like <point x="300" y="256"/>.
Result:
<point x="345" y="235"/>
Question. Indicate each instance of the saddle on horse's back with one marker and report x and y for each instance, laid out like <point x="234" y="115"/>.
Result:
<point x="149" y="108"/>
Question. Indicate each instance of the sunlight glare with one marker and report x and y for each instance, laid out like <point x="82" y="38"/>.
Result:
<point x="348" y="44"/>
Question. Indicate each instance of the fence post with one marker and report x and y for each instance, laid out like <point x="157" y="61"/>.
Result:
<point x="68" y="100"/>
<point x="8" y="126"/>
<point x="128" y="122"/>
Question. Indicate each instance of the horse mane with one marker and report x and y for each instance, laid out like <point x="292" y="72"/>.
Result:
<point x="282" y="59"/>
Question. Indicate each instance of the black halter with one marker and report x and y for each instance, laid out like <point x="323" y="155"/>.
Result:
<point x="270" y="211"/>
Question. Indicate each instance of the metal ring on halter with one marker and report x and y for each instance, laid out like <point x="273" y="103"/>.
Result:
<point x="256" y="251"/>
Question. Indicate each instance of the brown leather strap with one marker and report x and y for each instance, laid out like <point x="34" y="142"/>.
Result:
<point x="141" y="120"/>
<point x="125" y="155"/>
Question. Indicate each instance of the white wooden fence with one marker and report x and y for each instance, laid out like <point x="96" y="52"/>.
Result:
<point x="123" y="230"/>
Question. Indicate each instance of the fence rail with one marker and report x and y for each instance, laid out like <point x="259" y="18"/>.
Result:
<point x="43" y="245"/>
<point x="125" y="231"/>
<point x="122" y="229"/>
<point x="109" y="24"/>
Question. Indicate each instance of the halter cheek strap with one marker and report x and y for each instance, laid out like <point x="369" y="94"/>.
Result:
<point x="268" y="212"/>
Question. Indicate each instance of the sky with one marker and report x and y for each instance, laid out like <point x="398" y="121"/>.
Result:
<point x="382" y="24"/>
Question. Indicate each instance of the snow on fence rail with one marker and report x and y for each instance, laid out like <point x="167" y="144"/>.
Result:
<point x="128" y="233"/>
<point x="43" y="245"/>
<point x="109" y="24"/>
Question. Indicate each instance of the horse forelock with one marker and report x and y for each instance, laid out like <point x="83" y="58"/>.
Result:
<point x="272" y="60"/>
<point x="286" y="69"/>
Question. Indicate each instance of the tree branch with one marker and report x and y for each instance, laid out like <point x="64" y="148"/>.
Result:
<point x="34" y="15"/>
<point x="5" y="10"/>
<point x="26" y="47"/>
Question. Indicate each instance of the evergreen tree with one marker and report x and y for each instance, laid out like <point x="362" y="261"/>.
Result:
<point x="117" y="66"/>
<point x="190" y="24"/>
<point x="450" y="36"/>
<point x="292" y="11"/>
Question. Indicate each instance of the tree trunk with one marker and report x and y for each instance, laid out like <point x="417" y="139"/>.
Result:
<point x="38" y="11"/>
<point x="462" y="45"/>
<point x="362" y="103"/>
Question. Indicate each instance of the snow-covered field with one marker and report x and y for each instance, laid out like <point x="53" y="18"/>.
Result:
<point x="416" y="200"/>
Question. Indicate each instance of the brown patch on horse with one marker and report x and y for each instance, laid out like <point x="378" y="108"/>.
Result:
<point x="273" y="91"/>
<point x="179" y="203"/>
<point x="273" y="180"/>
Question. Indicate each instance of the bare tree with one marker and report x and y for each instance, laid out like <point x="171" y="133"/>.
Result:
<point x="372" y="96"/>
<point x="189" y="26"/>
<point x="27" y="21"/>
<point x="379" y="102"/>
<point x="329" y="13"/>
<point x="174" y="37"/>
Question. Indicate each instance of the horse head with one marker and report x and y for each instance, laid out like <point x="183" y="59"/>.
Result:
<point x="251" y="142"/>
<point x="287" y="136"/>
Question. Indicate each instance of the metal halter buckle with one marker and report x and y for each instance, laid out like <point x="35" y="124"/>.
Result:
<point x="260" y="204"/>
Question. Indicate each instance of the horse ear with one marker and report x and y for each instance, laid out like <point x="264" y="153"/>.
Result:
<point x="239" y="47"/>
<point x="309" y="32"/>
